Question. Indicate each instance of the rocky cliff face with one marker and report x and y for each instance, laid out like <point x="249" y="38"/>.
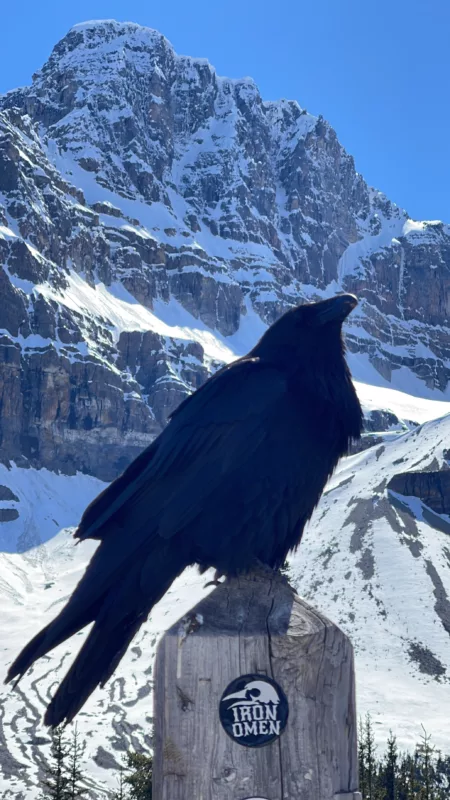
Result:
<point x="153" y="218"/>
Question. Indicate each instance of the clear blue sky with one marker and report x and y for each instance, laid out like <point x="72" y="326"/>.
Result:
<point x="378" y="70"/>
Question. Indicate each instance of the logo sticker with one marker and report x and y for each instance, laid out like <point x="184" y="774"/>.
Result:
<point x="254" y="711"/>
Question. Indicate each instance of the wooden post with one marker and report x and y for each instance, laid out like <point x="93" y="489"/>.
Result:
<point x="249" y="628"/>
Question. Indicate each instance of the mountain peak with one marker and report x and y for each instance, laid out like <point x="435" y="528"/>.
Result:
<point x="109" y="29"/>
<point x="91" y="45"/>
<point x="100" y="24"/>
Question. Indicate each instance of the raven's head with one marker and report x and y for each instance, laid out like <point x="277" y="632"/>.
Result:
<point x="312" y="330"/>
<point x="326" y="312"/>
<point x="307" y="343"/>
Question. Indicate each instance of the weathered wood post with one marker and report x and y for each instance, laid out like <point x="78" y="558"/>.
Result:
<point x="254" y="699"/>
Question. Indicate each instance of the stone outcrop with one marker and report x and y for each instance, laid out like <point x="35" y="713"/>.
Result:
<point x="433" y="488"/>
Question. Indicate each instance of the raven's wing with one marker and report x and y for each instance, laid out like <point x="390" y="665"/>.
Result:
<point x="211" y="434"/>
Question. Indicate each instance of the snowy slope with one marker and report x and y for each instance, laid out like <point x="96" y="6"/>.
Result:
<point x="382" y="573"/>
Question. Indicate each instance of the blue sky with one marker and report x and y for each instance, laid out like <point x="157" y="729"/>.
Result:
<point x="378" y="70"/>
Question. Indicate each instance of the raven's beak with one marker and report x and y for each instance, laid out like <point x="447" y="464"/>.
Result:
<point x="336" y="309"/>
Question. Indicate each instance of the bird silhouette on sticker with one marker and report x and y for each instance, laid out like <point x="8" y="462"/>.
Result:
<point x="253" y="710"/>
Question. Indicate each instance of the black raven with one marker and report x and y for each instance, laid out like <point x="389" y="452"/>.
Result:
<point x="231" y="481"/>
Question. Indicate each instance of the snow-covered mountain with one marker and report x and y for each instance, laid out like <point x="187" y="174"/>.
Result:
<point x="154" y="218"/>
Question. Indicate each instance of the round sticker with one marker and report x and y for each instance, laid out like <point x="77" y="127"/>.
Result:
<point x="253" y="711"/>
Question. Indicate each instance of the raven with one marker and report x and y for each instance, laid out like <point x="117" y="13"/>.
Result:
<point x="229" y="483"/>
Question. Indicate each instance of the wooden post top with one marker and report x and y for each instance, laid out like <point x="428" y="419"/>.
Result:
<point x="247" y="604"/>
<point x="254" y="699"/>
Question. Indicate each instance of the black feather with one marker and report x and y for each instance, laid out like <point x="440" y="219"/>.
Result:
<point x="231" y="481"/>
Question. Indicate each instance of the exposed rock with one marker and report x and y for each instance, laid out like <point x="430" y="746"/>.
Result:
<point x="433" y="488"/>
<point x="377" y="421"/>
<point x="442" y="605"/>
<point x="366" y="441"/>
<point x="367" y="564"/>
<point x="7" y="494"/>
<point x="428" y="663"/>
<point x="8" y="514"/>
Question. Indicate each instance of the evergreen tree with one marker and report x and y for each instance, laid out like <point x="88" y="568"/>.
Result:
<point x="370" y="749"/>
<point x="56" y="783"/>
<point x="285" y="570"/>
<point x="425" y="757"/>
<point x="403" y="779"/>
<point x="413" y="785"/>
<point x="140" y="779"/>
<point x="389" y="773"/>
<point x="362" y="760"/>
<point x="74" y="774"/>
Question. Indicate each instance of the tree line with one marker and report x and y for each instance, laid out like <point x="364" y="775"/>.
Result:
<point x="66" y="774"/>
<point x="423" y="774"/>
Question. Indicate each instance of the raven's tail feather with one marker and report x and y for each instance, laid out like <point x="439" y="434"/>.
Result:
<point x="118" y="615"/>
<point x="104" y="571"/>
<point x="63" y="627"/>
<point x="94" y="664"/>
<point x="123" y="611"/>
